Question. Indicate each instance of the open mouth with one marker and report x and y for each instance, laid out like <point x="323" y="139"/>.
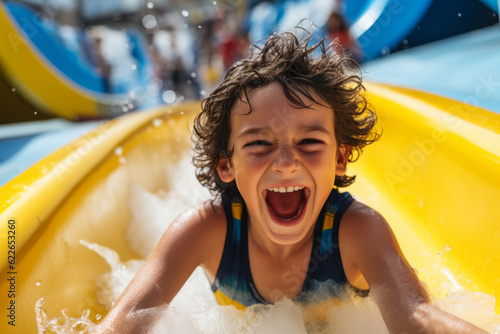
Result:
<point x="287" y="203"/>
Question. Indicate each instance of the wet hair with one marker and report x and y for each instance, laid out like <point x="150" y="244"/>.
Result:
<point x="299" y="65"/>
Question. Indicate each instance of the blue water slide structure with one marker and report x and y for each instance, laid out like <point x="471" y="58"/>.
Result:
<point x="379" y="25"/>
<point x="492" y="4"/>
<point x="68" y="52"/>
<point x="45" y="38"/>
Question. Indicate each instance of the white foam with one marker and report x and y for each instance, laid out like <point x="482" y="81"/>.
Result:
<point x="152" y="213"/>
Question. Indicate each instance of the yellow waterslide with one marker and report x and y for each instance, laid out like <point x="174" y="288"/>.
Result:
<point x="434" y="175"/>
<point x="39" y="82"/>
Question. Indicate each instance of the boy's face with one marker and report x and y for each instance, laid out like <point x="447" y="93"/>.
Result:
<point x="284" y="162"/>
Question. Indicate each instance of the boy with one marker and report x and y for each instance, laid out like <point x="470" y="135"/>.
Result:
<point x="273" y="142"/>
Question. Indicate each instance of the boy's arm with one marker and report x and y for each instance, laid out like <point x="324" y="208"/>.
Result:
<point x="193" y="239"/>
<point x="368" y="244"/>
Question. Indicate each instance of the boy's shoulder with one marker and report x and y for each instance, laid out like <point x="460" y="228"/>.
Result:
<point x="206" y="219"/>
<point x="367" y="244"/>
<point x="362" y="216"/>
<point x="203" y="228"/>
<point x="362" y="224"/>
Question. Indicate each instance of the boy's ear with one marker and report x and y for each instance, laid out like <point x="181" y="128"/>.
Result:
<point x="225" y="170"/>
<point x="343" y="152"/>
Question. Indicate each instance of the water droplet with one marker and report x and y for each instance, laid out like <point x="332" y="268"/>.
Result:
<point x="157" y="122"/>
<point x="168" y="96"/>
<point x="202" y="92"/>
<point x="150" y="5"/>
<point x="149" y="21"/>
<point x="447" y="248"/>
<point x="405" y="41"/>
<point x="133" y="67"/>
<point x="199" y="27"/>
<point x="440" y="253"/>
<point x="119" y="150"/>
<point x="13" y="90"/>
<point x="185" y="13"/>
<point x="98" y="317"/>
<point x="122" y="160"/>
<point x="44" y="170"/>
<point x="35" y="113"/>
<point x="25" y="187"/>
<point x="459" y="14"/>
<point x="182" y="112"/>
<point x="214" y="2"/>
<point x="124" y="109"/>
<point x="38" y="283"/>
<point x="193" y="75"/>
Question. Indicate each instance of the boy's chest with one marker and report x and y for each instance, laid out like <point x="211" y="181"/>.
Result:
<point x="278" y="278"/>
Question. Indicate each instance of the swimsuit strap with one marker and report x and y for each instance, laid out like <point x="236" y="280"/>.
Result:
<point x="231" y="285"/>
<point x="326" y="263"/>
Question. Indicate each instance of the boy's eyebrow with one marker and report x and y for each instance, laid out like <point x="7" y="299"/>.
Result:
<point x="312" y="128"/>
<point x="266" y="129"/>
<point x="253" y="131"/>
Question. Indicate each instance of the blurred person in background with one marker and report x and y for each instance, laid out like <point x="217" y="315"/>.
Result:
<point x="102" y="66"/>
<point x="338" y="30"/>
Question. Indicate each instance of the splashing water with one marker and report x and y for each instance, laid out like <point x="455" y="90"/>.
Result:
<point x="69" y="325"/>
<point x="194" y="309"/>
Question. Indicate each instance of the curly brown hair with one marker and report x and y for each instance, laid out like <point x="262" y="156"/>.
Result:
<point x="298" y="67"/>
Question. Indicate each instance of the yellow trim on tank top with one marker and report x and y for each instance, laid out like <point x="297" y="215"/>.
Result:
<point x="224" y="300"/>
<point x="237" y="209"/>
<point x="328" y="221"/>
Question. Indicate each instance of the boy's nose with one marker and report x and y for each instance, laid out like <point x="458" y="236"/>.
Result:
<point x="286" y="162"/>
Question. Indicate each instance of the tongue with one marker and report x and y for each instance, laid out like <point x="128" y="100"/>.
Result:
<point x="284" y="205"/>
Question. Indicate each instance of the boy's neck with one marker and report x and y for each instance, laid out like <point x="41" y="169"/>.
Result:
<point x="258" y="238"/>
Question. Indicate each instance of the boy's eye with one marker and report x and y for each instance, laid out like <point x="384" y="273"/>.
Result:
<point x="310" y="141"/>
<point x="258" y="143"/>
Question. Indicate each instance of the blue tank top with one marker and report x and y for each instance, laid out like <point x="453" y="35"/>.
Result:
<point x="233" y="283"/>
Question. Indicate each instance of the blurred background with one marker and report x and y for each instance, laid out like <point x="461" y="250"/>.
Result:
<point x="66" y="63"/>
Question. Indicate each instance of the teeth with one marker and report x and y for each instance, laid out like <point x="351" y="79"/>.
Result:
<point x="288" y="189"/>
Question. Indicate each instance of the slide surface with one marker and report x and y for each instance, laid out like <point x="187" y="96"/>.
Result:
<point x="433" y="175"/>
